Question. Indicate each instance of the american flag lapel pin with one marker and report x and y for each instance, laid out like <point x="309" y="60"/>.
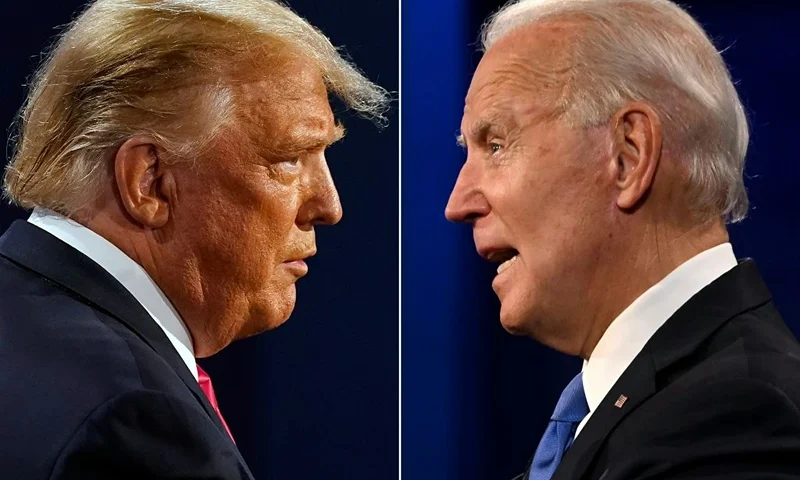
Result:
<point x="621" y="401"/>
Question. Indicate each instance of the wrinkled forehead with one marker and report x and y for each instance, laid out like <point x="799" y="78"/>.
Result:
<point x="288" y="105"/>
<point x="526" y="69"/>
<point x="284" y="80"/>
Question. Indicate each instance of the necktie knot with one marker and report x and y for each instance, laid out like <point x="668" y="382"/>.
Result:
<point x="572" y="406"/>
<point x="570" y="410"/>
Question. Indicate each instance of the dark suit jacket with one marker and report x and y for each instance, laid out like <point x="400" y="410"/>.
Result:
<point x="90" y="387"/>
<point x="714" y="394"/>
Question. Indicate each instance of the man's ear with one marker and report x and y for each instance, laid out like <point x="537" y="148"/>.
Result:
<point x="637" y="151"/>
<point x="143" y="188"/>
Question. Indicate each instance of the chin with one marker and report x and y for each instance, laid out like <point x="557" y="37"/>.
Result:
<point x="259" y="325"/>
<point x="527" y="319"/>
<point x="512" y="321"/>
<point x="280" y="319"/>
<point x="270" y="313"/>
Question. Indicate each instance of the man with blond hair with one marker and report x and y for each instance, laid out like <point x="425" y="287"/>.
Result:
<point x="605" y="154"/>
<point x="172" y="152"/>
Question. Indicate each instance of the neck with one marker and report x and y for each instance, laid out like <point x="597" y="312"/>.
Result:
<point x="155" y="250"/>
<point x="659" y="250"/>
<point x="128" y="237"/>
<point x="143" y="246"/>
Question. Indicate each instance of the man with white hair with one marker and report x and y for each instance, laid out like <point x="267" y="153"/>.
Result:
<point x="172" y="152"/>
<point x="605" y="153"/>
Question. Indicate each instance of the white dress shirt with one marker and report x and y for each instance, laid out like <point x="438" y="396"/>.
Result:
<point x="127" y="272"/>
<point x="633" y="328"/>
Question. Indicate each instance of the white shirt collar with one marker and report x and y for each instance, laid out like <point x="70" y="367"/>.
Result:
<point x="129" y="273"/>
<point x="633" y="328"/>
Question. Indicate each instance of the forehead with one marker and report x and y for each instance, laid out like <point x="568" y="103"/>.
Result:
<point x="286" y="104"/>
<point x="527" y="70"/>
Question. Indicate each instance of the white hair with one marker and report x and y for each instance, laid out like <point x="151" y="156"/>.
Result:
<point x="651" y="51"/>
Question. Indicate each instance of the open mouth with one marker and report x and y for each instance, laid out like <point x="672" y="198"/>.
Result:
<point x="505" y="257"/>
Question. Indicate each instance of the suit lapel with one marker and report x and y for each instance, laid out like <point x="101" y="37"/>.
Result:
<point x="735" y="292"/>
<point x="48" y="257"/>
<point x="636" y="385"/>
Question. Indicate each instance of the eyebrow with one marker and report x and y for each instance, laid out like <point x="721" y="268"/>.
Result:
<point x="320" y="142"/>
<point x="338" y="133"/>
<point x="479" y="129"/>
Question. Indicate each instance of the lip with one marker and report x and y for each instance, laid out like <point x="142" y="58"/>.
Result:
<point x="488" y="252"/>
<point x="485" y="252"/>
<point x="298" y="265"/>
<point x="502" y="278"/>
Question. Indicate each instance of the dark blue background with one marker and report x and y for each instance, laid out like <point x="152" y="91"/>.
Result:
<point x="318" y="397"/>
<point x="475" y="399"/>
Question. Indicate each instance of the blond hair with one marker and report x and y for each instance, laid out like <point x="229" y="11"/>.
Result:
<point x="116" y="71"/>
<point x="653" y="51"/>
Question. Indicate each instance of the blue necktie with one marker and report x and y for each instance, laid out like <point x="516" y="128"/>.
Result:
<point x="560" y="433"/>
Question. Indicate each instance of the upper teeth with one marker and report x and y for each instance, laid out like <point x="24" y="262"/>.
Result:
<point x="506" y="264"/>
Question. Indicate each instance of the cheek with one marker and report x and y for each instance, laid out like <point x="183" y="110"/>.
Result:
<point x="260" y="202"/>
<point x="239" y="222"/>
<point x="522" y="199"/>
<point x="552" y="203"/>
<point x="553" y="218"/>
<point x="263" y="229"/>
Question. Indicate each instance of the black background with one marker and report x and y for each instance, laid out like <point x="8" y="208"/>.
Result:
<point x="318" y="397"/>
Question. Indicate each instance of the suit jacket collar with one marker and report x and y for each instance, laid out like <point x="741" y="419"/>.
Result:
<point x="127" y="271"/>
<point x="56" y="262"/>
<point x="735" y="292"/>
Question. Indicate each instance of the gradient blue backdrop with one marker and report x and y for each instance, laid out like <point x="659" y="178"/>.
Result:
<point x="475" y="399"/>
<point x="318" y="397"/>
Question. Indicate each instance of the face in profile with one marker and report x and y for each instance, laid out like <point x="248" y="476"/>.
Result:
<point x="247" y="210"/>
<point x="533" y="189"/>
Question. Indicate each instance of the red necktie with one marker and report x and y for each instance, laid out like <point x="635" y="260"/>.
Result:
<point x="205" y="385"/>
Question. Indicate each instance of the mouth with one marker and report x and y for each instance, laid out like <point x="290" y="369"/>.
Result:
<point x="507" y="263"/>
<point x="298" y="263"/>
<point x="504" y="256"/>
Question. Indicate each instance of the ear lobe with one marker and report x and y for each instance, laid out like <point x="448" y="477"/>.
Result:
<point x="138" y="171"/>
<point x="638" y="150"/>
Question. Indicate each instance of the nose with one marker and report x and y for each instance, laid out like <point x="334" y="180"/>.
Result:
<point x="467" y="203"/>
<point x="322" y="205"/>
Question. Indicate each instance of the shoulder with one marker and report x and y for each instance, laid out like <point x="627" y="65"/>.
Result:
<point x="64" y="360"/>
<point x="731" y="406"/>
<point x="726" y="403"/>
<point x="726" y="427"/>
<point x="56" y="338"/>
<point x="751" y="364"/>
<point x="753" y="357"/>
<point x="147" y="434"/>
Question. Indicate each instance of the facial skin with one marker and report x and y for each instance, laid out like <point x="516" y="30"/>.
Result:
<point x="580" y="213"/>
<point x="225" y="236"/>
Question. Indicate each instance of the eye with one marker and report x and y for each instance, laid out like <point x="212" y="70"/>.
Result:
<point x="290" y="165"/>
<point x="495" y="147"/>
